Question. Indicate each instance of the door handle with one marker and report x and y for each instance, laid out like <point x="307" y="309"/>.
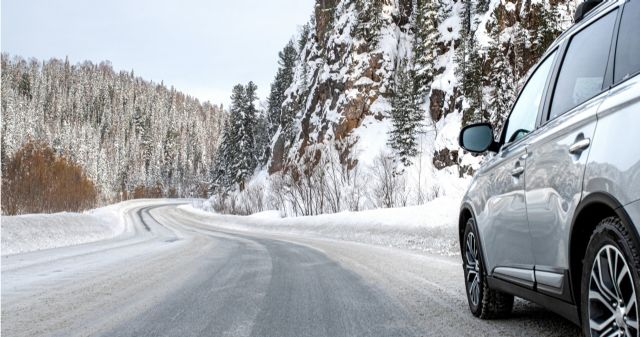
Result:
<point x="579" y="146"/>
<point x="518" y="171"/>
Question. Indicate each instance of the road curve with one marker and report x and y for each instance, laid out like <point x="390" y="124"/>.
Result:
<point x="176" y="274"/>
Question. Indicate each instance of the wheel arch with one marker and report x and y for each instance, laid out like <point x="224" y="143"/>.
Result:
<point x="466" y="213"/>
<point x="590" y="212"/>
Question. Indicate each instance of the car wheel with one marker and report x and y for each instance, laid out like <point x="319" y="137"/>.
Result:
<point x="610" y="282"/>
<point x="484" y="302"/>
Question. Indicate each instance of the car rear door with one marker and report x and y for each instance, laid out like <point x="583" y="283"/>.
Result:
<point x="558" y="152"/>
<point x="614" y="159"/>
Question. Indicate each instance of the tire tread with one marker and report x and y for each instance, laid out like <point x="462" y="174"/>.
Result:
<point x="494" y="304"/>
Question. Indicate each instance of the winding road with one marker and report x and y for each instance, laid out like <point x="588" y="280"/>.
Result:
<point x="174" y="273"/>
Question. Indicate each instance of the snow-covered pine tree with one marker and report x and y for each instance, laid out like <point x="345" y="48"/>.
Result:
<point x="471" y="63"/>
<point x="369" y="21"/>
<point x="262" y="138"/>
<point x="521" y="50"/>
<point x="467" y="13"/>
<point x="424" y="47"/>
<point x="282" y="81"/>
<point x="305" y="34"/>
<point x="221" y="181"/>
<point x="249" y="152"/>
<point x="406" y="115"/>
<point x="547" y="29"/>
<point x="229" y="162"/>
<point x="482" y="6"/>
<point x="501" y="79"/>
<point x="243" y="118"/>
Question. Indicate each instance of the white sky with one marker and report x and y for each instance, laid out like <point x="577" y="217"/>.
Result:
<point x="201" y="47"/>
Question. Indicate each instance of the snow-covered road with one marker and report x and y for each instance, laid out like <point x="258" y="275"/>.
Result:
<point x="174" y="273"/>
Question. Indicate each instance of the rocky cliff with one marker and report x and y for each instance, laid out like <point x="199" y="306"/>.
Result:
<point x="368" y="111"/>
<point x="344" y="80"/>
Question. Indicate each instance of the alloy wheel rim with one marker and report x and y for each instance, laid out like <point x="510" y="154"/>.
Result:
<point x="613" y="309"/>
<point x="472" y="267"/>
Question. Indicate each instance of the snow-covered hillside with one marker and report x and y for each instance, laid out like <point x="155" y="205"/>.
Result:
<point x="365" y="111"/>
<point x="130" y="136"/>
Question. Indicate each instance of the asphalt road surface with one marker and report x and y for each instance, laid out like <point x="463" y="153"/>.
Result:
<point x="176" y="274"/>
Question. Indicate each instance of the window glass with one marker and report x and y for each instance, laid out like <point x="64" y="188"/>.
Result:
<point x="584" y="66"/>
<point x="628" y="49"/>
<point x="523" y="116"/>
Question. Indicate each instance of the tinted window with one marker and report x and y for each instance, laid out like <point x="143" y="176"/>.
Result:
<point x="628" y="50"/>
<point x="584" y="66"/>
<point x="523" y="116"/>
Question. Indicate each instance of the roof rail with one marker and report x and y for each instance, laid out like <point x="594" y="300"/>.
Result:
<point x="584" y="8"/>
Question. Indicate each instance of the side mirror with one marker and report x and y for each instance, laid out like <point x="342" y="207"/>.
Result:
<point x="478" y="138"/>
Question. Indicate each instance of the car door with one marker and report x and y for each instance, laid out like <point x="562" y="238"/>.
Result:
<point x="558" y="152"/>
<point x="503" y="223"/>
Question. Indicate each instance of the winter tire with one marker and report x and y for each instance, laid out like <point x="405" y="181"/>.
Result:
<point x="484" y="302"/>
<point x="609" y="305"/>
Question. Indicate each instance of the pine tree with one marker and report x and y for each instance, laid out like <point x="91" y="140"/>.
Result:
<point x="406" y="115"/>
<point x="369" y="21"/>
<point x="502" y="81"/>
<point x="520" y="49"/>
<point x="546" y="30"/>
<point x="226" y="171"/>
<point x="247" y="160"/>
<point x="262" y="139"/>
<point x="425" y="49"/>
<point x="467" y="13"/>
<point x="305" y="34"/>
<point x="24" y="87"/>
<point x="471" y="76"/>
<point x="221" y="179"/>
<point x="282" y="82"/>
<point x="482" y="6"/>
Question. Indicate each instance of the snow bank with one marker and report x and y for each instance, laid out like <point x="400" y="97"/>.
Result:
<point x="430" y="228"/>
<point x="25" y="233"/>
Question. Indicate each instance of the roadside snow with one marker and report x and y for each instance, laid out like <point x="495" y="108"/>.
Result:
<point x="430" y="228"/>
<point x="25" y="233"/>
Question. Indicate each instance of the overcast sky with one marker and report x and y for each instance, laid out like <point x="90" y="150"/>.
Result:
<point x="202" y="47"/>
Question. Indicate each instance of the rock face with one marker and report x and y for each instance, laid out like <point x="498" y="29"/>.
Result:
<point x="343" y="84"/>
<point x="339" y="79"/>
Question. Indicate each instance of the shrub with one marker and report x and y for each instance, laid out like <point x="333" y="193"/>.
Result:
<point x="36" y="180"/>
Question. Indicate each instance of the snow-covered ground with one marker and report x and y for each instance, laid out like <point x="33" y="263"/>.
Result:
<point x="31" y="232"/>
<point x="431" y="227"/>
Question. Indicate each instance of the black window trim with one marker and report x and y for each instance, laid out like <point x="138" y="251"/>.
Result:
<point x="545" y="57"/>
<point x="614" y="52"/>
<point x="606" y="85"/>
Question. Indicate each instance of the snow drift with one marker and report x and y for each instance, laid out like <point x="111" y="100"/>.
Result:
<point x="430" y="228"/>
<point x="26" y="233"/>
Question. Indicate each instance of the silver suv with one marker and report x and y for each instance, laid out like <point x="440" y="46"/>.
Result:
<point x="553" y="216"/>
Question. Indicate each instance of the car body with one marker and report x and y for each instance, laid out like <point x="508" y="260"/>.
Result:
<point x="537" y="201"/>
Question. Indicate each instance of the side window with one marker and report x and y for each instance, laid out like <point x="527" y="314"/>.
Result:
<point x="523" y="116"/>
<point x="628" y="49"/>
<point x="584" y="66"/>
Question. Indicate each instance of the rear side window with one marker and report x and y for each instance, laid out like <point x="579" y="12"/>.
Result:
<point x="628" y="50"/>
<point x="584" y="66"/>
